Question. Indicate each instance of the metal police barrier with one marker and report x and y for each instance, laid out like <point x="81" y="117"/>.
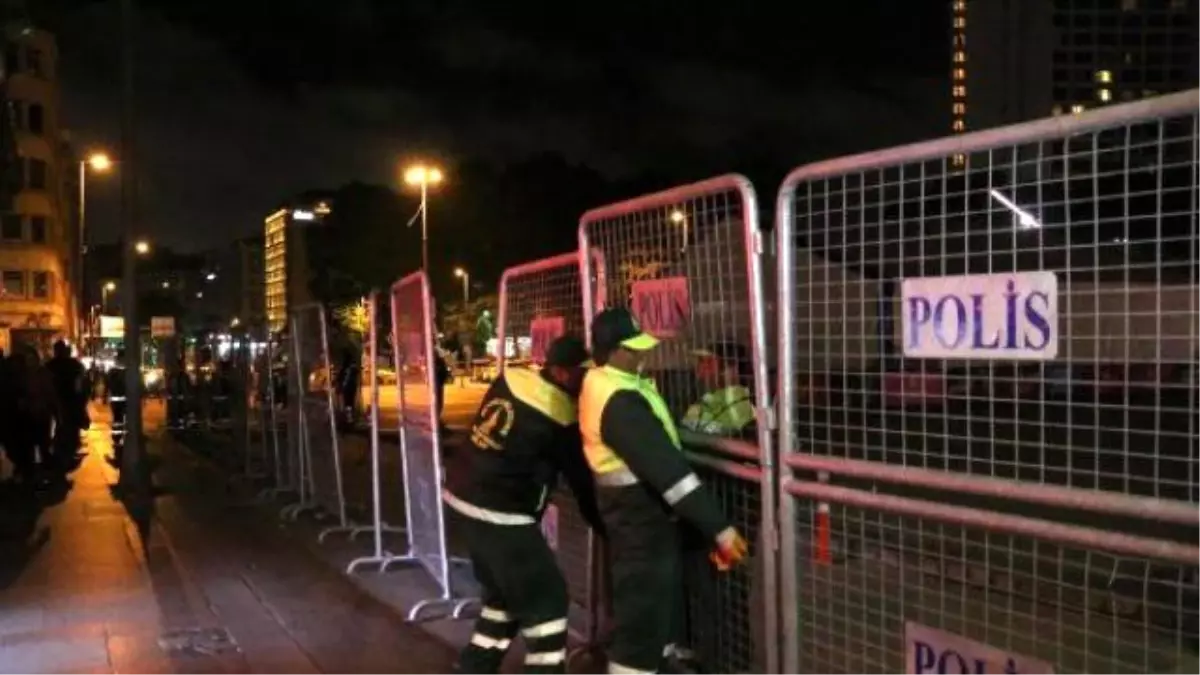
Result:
<point x="297" y="466"/>
<point x="272" y="390"/>
<point x="252" y="412"/>
<point x="687" y="263"/>
<point x="379" y="523"/>
<point x="319" y="440"/>
<point x="988" y="347"/>
<point x="420" y="447"/>
<point x="539" y="302"/>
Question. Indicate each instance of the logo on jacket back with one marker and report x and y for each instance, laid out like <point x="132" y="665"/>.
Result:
<point x="492" y="424"/>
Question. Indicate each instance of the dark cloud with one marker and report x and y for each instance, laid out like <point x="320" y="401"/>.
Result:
<point x="238" y="109"/>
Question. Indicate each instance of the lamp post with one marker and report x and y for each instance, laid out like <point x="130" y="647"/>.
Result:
<point x="466" y="281"/>
<point x="109" y="287"/>
<point x="680" y="218"/>
<point x="100" y="163"/>
<point x="142" y="247"/>
<point x="423" y="176"/>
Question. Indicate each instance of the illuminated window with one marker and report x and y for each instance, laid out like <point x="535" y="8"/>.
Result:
<point x="1104" y="76"/>
<point x="959" y="125"/>
<point x="960" y="90"/>
<point x="960" y="57"/>
<point x="960" y="73"/>
<point x="959" y="22"/>
<point x="960" y="5"/>
<point x="960" y="108"/>
<point x="1104" y="94"/>
<point x="1077" y="108"/>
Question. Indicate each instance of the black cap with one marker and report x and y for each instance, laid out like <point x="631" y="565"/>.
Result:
<point x="616" y="327"/>
<point x="567" y="351"/>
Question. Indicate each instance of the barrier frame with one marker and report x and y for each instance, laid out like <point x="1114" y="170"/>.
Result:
<point x="446" y="596"/>
<point x="590" y="635"/>
<point x="753" y="240"/>
<point x="299" y="435"/>
<point x="1041" y="130"/>
<point x="379" y="555"/>
<point x="542" y="265"/>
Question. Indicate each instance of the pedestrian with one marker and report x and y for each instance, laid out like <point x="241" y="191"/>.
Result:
<point x="68" y="377"/>
<point x="115" y="393"/>
<point x="349" y="385"/>
<point x="643" y="479"/>
<point x="525" y="436"/>
<point x="441" y="375"/>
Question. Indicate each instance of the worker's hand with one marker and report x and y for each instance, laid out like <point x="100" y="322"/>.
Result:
<point x="731" y="550"/>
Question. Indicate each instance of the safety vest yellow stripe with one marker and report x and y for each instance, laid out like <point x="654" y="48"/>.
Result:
<point x="533" y="390"/>
<point x="599" y="386"/>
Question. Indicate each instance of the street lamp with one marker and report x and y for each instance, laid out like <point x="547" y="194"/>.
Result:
<point x="142" y="247"/>
<point x="424" y="176"/>
<point x="678" y="217"/>
<point x="109" y="287"/>
<point x="211" y="276"/>
<point x="466" y="279"/>
<point x="100" y="163"/>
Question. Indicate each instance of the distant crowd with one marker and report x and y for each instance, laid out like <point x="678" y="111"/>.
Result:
<point x="43" y="409"/>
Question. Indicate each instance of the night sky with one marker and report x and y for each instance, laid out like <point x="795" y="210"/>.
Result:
<point x="243" y="103"/>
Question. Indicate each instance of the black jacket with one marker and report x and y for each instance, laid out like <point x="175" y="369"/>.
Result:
<point x="524" y="437"/>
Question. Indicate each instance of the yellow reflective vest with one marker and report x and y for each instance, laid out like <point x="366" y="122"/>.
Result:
<point x="599" y="386"/>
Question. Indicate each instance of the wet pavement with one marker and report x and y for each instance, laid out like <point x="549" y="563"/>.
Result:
<point x="204" y="585"/>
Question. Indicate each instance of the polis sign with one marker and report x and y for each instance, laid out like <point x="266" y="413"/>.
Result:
<point x="1010" y="317"/>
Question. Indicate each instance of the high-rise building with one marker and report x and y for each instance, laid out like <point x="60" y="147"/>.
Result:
<point x="1015" y="60"/>
<point x="37" y="229"/>
<point x="285" y="269"/>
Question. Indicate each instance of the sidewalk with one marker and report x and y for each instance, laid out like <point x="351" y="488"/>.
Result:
<point x="216" y="588"/>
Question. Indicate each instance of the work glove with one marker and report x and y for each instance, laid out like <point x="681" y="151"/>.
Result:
<point x="730" y="551"/>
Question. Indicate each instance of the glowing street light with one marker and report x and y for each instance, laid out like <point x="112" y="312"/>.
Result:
<point x="211" y="276"/>
<point x="142" y="247"/>
<point x="100" y="163"/>
<point x="678" y="217"/>
<point x="466" y="281"/>
<point x="423" y="176"/>
<point x="109" y="287"/>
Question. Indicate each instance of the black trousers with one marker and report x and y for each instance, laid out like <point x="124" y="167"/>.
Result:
<point x="523" y="591"/>
<point x="647" y="579"/>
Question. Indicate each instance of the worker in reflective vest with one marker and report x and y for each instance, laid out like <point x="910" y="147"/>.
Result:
<point x="727" y="409"/>
<point x="525" y="436"/>
<point x="642" y="479"/>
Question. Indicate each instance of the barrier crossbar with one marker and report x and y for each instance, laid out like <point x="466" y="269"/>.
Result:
<point x="1017" y="479"/>
<point x="687" y="263"/>
<point x="420" y="448"/>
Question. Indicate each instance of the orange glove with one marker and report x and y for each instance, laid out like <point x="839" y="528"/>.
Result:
<point x="731" y="550"/>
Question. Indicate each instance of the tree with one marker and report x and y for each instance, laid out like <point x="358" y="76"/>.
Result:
<point x="355" y="318"/>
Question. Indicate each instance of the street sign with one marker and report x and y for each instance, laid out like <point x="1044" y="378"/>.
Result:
<point x="112" y="327"/>
<point x="162" y="326"/>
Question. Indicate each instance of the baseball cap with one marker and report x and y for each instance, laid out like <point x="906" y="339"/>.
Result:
<point x="616" y="327"/>
<point x="567" y="351"/>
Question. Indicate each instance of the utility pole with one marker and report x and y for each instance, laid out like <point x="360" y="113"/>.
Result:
<point x="132" y="464"/>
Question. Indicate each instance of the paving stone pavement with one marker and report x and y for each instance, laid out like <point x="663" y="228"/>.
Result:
<point x="203" y="585"/>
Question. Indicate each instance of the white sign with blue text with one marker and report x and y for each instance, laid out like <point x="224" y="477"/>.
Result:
<point x="928" y="650"/>
<point x="994" y="317"/>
